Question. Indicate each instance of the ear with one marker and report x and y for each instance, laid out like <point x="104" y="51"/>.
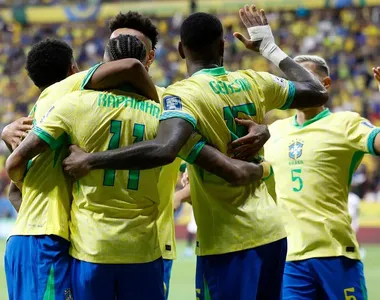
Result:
<point x="180" y="50"/>
<point x="150" y="58"/>
<point x="221" y="49"/>
<point x="326" y="82"/>
<point x="73" y="69"/>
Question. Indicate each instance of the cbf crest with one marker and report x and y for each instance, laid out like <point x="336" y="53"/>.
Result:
<point x="295" y="149"/>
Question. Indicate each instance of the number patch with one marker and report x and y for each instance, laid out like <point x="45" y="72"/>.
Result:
<point x="134" y="175"/>
<point x="347" y="295"/>
<point x="297" y="180"/>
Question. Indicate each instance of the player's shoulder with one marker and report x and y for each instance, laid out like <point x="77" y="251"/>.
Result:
<point x="279" y="124"/>
<point x="185" y="89"/>
<point x="346" y="118"/>
<point x="65" y="86"/>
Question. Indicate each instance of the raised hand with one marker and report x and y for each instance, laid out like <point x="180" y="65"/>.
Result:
<point x="251" y="18"/>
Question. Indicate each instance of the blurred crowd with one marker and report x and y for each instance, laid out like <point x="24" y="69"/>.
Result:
<point x="348" y="39"/>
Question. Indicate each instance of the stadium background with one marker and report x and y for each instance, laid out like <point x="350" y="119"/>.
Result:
<point x="344" y="32"/>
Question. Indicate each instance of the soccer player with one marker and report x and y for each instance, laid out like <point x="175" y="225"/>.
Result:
<point x="128" y="221"/>
<point x="241" y="243"/>
<point x="314" y="155"/>
<point x="142" y="27"/>
<point x="133" y="23"/>
<point x="36" y="258"/>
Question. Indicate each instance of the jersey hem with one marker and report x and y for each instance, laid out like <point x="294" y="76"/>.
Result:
<point x="105" y="259"/>
<point x="252" y="245"/>
<point x="176" y="114"/>
<point x="296" y="258"/>
<point x="371" y="141"/>
<point x="89" y="75"/>
<point x="23" y="233"/>
<point x="290" y="98"/>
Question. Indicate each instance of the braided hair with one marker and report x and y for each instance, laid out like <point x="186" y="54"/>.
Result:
<point x="126" y="46"/>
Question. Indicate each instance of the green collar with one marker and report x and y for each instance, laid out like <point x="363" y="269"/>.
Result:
<point x="321" y="115"/>
<point x="213" y="71"/>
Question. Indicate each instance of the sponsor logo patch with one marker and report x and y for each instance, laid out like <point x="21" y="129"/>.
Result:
<point x="172" y="103"/>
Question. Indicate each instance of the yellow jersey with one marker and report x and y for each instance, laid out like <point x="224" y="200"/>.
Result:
<point x="166" y="189"/>
<point x="114" y="213"/>
<point x="229" y="218"/>
<point x="313" y="165"/>
<point x="46" y="192"/>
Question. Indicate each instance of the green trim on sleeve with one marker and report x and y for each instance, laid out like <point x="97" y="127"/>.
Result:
<point x="371" y="141"/>
<point x="291" y="94"/>
<point x="270" y="174"/>
<point x="178" y="114"/>
<point x="89" y="75"/>
<point x="183" y="167"/>
<point x="195" y="151"/>
<point x="46" y="137"/>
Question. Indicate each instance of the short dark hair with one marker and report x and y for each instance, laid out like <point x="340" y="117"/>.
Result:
<point x="126" y="46"/>
<point x="49" y="62"/>
<point x="200" y="30"/>
<point x="136" y="21"/>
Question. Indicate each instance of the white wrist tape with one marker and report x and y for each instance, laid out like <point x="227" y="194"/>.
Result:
<point x="268" y="47"/>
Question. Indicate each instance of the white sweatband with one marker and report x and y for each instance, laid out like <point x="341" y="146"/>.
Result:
<point x="268" y="47"/>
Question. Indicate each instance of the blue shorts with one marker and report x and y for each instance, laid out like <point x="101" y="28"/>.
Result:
<point x="117" y="281"/>
<point x="37" y="267"/>
<point x="324" y="278"/>
<point x="168" y="264"/>
<point x="244" y="275"/>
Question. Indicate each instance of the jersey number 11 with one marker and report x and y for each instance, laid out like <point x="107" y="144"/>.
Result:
<point x="134" y="175"/>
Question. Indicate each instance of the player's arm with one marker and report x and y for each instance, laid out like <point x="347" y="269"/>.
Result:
<point x="13" y="133"/>
<point x="18" y="160"/>
<point x="15" y="196"/>
<point x="116" y="73"/>
<point x="49" y="134"/>
<point x="171" y="137"/>
<point x="308" y="91"/>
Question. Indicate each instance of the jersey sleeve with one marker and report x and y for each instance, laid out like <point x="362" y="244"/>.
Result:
<point x="361" y="134"/>
<point x="88" y="76"/>
<point x="57" y="122"/>
<point x="278" y="92"/>
<point x="176" y="106"/>
<point x="192" y="148"/>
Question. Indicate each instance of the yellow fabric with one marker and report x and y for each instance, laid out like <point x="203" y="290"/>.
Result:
<point x="166" y="189"/>
<point x="313" y="165"/>
<point x="46" y="192"/>
<point x="229" y="218"/>
<point x="114" y="213"/>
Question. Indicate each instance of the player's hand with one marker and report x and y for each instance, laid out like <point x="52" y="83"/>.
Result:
<point x="76" y="164"/>
<point x="14" y="133"/>
<point x="251" y="17"/>
<point x="247" y="146"/>
<point x="376" y="75"/>
<point x="185" y="179"/>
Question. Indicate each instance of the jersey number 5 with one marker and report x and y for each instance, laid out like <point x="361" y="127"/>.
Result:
<point x="230" y="113"/>
<point x="296" y="178"/>
<point x="134" y="175"/>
